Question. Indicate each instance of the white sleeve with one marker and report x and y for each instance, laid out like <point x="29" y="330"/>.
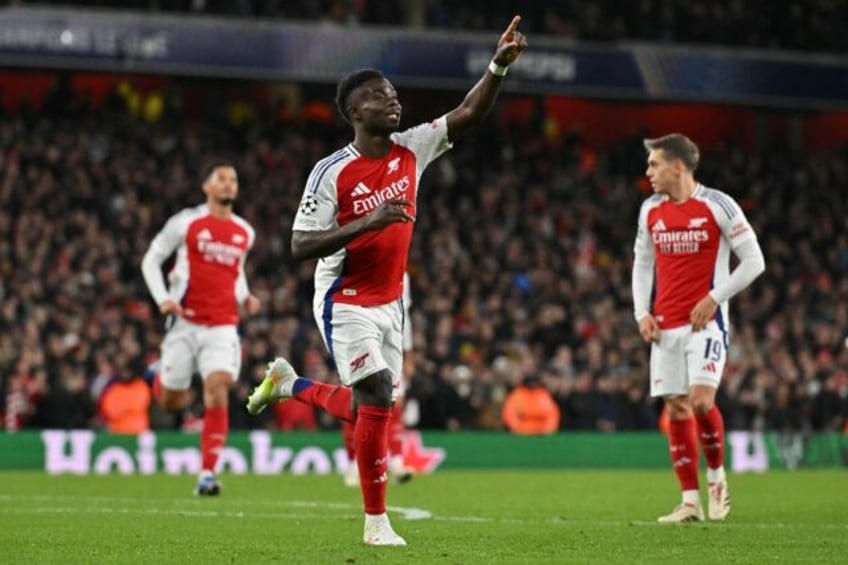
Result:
<point x="242" y="288"/>
<point x="162" y="246"/>
<point x="427" y="141"/>
<point x="318" y="205"/>
<point x="751" y="265"/>
<point x="738" y="232"/>
<point x="731" y="219"/>
<point x="642" y="280"/>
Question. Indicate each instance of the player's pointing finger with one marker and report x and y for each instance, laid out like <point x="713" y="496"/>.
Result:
<point x="513" y="25"/>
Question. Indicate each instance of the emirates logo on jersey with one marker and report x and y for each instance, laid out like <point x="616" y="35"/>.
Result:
<point x="218" y="252"/>
<point x="679" y="242"/>
<point x="368" y="201"/>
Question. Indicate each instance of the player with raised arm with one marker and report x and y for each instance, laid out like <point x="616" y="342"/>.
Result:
<point x="206" y="286"/>
<point x="685" y="235"/>
<point x="356" y="215"/>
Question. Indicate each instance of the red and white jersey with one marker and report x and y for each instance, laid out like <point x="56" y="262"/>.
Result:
<point x="207" y="278"/>
<point x="347" y="186"/>
<point x="690" y="243"/>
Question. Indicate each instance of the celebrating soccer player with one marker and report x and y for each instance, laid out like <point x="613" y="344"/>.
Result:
<point x="356" y="215"/>
<point x="206" y="286"/>
<point x="685" y="235"/>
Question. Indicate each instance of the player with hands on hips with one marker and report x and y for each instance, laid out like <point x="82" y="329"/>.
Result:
<point x="686" y="233"/>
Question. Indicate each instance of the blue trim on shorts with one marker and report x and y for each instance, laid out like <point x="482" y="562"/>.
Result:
<point x="328" y="314"/>
<point x="723" y="327"/>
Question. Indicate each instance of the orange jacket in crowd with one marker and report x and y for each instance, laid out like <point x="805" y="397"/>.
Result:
<point x="530" y="410"/>
<point x="125" y="407"/>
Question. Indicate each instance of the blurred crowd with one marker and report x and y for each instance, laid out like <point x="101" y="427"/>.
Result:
<point x="808" y="25"/>
<point x="520" y="271"/>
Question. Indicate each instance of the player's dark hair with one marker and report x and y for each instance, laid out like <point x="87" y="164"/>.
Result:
<point x="349" y="83"/>
<point x="676" y="146"/>
<point x="210" y="165"/>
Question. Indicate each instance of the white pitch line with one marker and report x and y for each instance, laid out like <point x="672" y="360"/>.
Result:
<point x="407" y="513"/>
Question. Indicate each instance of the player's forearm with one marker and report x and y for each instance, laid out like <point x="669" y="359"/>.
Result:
<point x="317" y="244"/>
<point x="477" y="103"/>
<point x="751" y="265"/>
<point x="641" y="284"/>
<point x="151" y="270"/>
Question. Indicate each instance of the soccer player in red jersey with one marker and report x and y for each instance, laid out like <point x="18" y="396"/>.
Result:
<point x="685" y="234"/>
<point x="206" y="286"/>
<point x="356" y="216"/>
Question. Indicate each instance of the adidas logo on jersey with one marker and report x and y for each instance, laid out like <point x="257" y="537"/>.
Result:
<point x="204" y="234"/>
<point x="659" y="226"/>
<point x="360" y="190"/>
<point x="709" y="367"/>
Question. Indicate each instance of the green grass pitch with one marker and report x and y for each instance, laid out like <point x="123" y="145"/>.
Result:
<point x="450" y="517"/>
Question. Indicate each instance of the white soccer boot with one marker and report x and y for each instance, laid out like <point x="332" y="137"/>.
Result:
<point x="398" y="473"/>
<point x="683" y="513"/>
<point x="378" y="531"/>
<point x="351" y="475"/>
<point x="277" y="385"/>
<point x="718" y="506"/>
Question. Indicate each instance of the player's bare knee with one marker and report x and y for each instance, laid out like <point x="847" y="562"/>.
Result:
<point x="679" y="407"/>
<point x="702" y="404"/>
<point x="216" y="389"/>
<point x="374" y="390"/>
<point x="173" y="400"/>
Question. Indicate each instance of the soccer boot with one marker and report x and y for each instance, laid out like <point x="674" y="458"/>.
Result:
<point x="718" y="506"/>
<point x="207" y="485"/>
<point x="276" y="386"/>
<point x="683" y="513"/>
<point x="378" y="531"/>
<point x="351" y="475"/>
<point x="398" y="473"/>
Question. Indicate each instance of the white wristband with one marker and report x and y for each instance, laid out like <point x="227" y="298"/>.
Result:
<point x="496" y="69"/>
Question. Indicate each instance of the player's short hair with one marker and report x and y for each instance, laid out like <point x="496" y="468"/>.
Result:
<point x="676" y="146"/>
<point x="210" y="165"/>
<point x="349" y="83"/>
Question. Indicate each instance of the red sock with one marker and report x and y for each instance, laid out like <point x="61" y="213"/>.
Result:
<point x="396" y="430"/>
<point x="335" y="400"/>
<point x="711" y="434"/>
<point x="684" y="452"/>
<point x="372" y="450"/>
<point x="347" y="434"/>
<point x="216" y="425"/>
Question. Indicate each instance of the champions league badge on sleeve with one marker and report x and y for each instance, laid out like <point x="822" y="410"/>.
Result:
<point x="309" y="205"/>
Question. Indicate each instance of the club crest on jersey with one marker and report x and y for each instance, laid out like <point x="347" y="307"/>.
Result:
<point x="366" y="202"/>
<point x="695" y="223"/>
<point x="394" y="165"/>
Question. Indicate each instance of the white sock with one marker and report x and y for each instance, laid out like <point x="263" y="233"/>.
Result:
<point x="692" y="497"/>
<point x="371" y="519"/>
<point x="715" y="475"/>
